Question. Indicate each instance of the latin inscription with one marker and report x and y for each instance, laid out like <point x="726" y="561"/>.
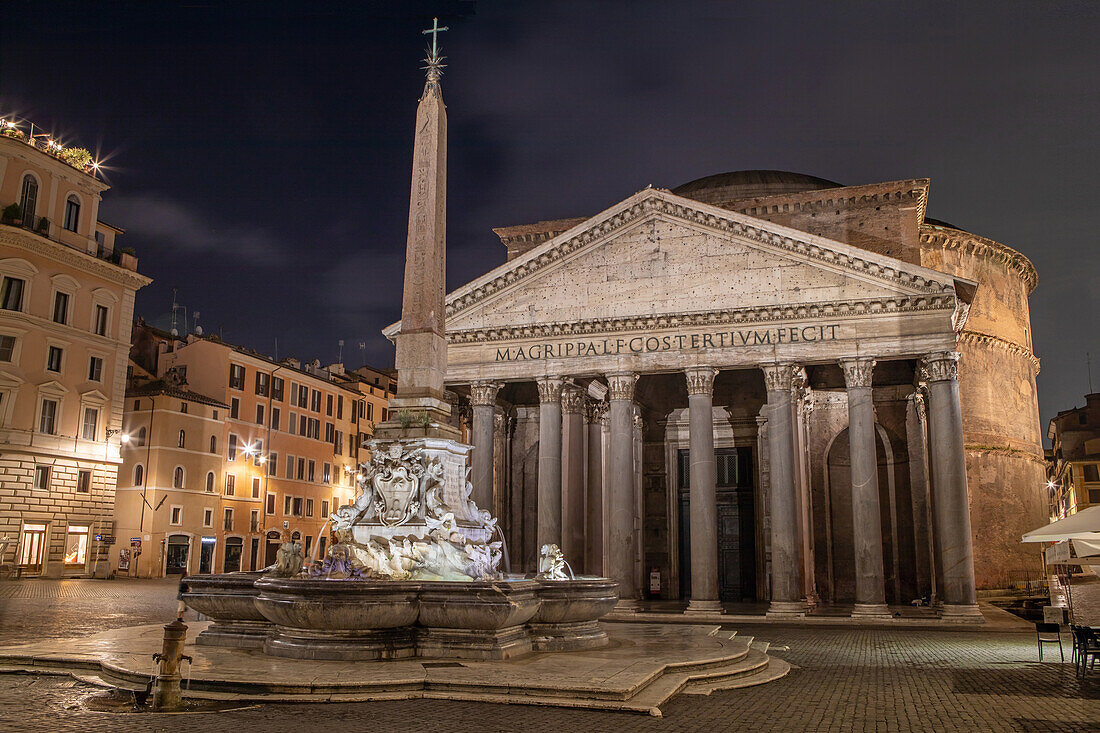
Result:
<point x="670" y="342"/>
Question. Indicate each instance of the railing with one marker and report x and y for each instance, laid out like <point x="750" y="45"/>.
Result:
<point x="52" y="231"/>
<point x="75" y="157"/>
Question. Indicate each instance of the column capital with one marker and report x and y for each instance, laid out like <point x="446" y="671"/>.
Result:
<point x="550" y="389"/>
<point x="778" y="377"/>
<point x="572" y="400"/>
<point x="858" y="370"/>
<point x="594" y="410"/>
<point x="700" y="380"/>
<point x="483" y="393"/>
<point x="621" y="385"/>
<point x="940" y="366"/>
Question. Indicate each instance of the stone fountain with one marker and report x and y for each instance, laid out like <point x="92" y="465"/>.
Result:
<point x="414" y="569"/>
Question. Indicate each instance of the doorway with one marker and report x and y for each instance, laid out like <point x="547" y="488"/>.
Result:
<point x="254" y="555"/>
<point x="176" y="560"/>
<point x="272" y="550"/>
<point x="736" y="524"/>
<point x="206" y="555"/>
<point x="234" y="548"/>
<point x="32" y="548"/>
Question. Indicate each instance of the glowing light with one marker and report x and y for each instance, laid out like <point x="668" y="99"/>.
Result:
<point x="124" y="438"/>
<point x="263" y="460"/>
<point x="1050" y="484"/>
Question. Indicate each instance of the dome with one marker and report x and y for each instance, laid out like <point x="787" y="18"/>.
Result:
<point x="750" y="184"/>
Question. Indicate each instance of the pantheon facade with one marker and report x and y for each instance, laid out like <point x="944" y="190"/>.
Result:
<point x="758" y="386"/>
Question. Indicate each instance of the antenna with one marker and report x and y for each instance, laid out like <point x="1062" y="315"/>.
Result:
<point x="276" y="348"/>
<point x="195" y="320"/>
<point x="340" y="351"/>
<point x="363" y="353"/>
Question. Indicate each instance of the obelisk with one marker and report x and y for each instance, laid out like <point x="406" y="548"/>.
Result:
<point x="420" y="407"/>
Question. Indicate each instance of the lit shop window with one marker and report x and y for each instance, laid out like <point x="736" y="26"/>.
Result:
<point x="76" y="552"/>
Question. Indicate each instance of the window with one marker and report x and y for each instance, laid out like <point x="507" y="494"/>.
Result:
<point x="95" y="369"/>
<point x="259" y="414"/>
<point x="1092" y="472"/>
<point x="230" y="484"/>
<point x="213" y="444"/>
<point x="28" y="199"/>
<point x="315" y="403"/>
<point x="315" y="428"/>
<point x="303" y="396"/>
<point x="84" y="482"/>
<point x="303" y="421"/>
<point x="262" y="382"/>
<point x="274" y="418"/>
<point x="330" y="432"/>
<point x="292" y="424"/>
<point x="227" y="524"/>
<point x="324" y="508"/>
<point x="338" y="443"/>
<point x="273" y="464"/>
<point x="139" y="474"/>
<point x="254" y="521"/>
<point x="140" y="437"/>
<point x="297" y="506"/>
<point x="60" y="307"/>
<point x="91" y="421"/>
<point x="302" y="469"/>
<point x="326" y="472"/>
<point x="309" y="540"/>
<point x="258" y="453"/>
<point x="290" y="466"/>
<point x="7" y="348"/>
<point x="42" y="478"/>
<point x="72" y="212"/>
<point x="101" y="320"/>
<point x="309" y="507"/>
<point x="176" y="515"/>
<point x="234" y="408"/>
<point x="1094" y="496"/>
<point x="312" y="471"/>
<point x="255" y="487"/>
<point x="277" y="388"/>
<point x="53" y="359"/>
<point x="340" y="407"/>
<point x="182" y="439"/>
<point x="232" y="447"/>
<point x="48" y="421"/>
<point x="183" y="407"/>
<point x="76" y="545"/>
<point x="270" y="506"/>
<point x="210" y="482"/>
<point x="177" y="478"/>
<point x="286" y="504"/>
<point x="11" y="294"/>
<point x="236" y="376"/>
<point x="328" y="405"/>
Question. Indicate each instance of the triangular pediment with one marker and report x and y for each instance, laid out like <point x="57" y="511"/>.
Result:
<point x="658" y="254"/>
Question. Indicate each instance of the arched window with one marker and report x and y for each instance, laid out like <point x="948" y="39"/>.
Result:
<point x="177" y="478"/>
<point x="28" y="199"/>
<point x="213" y="444"/>
<point x="140" y="439"/>
<point x="183" y="438"/>
<point x="139" y="474"/>
<point x="72" y="212"/>
<point x="210" y="483"/>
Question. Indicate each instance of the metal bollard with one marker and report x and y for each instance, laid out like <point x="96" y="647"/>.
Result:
<point x="167" y="696"/>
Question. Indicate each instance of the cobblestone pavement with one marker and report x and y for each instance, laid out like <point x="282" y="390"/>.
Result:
<point x="844" y="680"/>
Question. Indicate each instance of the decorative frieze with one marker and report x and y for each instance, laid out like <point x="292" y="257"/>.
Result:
<point x="484" y="393"/>
<point x="550" y="389"/>
<point x="972" y="244"/>
<point x="572" y="400"/>
<point x="995" y="342"/>
<point x="700" y="380"/>
<point x="858" y="371"/>
<point x="778" y="377"/>
<point x="621" y="386"/>
<point x="940" y="366"/>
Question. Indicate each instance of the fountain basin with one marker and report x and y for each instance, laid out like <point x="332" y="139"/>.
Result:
<point x="228" y="600"/>
<point x="476" y="619"/>
<point x="569" y="613"/>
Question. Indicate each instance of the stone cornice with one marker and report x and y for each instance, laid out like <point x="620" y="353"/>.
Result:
<point x="947" y="238"/>
<point x="650" y="203"/>
<point x="984" y="339"/>
<point x="24" y="240"/>
<point x="913" y="190"/>
<point x="734" y="316"/>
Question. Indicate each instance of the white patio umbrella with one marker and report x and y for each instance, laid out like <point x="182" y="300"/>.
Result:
<point x="1084" y="525"/>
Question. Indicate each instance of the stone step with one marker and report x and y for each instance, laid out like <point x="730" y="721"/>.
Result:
<point x="762" y="646"/>
<point x="775" y="669"/>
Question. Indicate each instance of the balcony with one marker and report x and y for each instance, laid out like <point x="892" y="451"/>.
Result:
<point x="40" y="226"/>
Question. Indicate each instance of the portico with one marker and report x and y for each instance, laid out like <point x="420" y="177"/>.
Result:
<point x="750" y="411"/>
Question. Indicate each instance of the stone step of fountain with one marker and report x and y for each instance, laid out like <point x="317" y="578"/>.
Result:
<point x="750" y="670"/>
<point x="775" y="669"/>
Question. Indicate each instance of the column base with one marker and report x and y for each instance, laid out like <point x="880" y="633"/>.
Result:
<point x="627" y="605"/>
<point x="786" y="609"/>
<point x="962" y="613"/>
<point x="871" y="611"/>
<point x="703" y="607"/>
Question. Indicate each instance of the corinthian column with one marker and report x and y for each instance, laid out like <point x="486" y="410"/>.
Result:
<point x="951" y="504"/>
<point x="572" y="480"/>
<point x="620" y="480"/>
<point x="593" y="515"/>
<point x="782" y="497"/>
<point x="483" y="398"/>
<point x="549" y="487"/>
<point x="866" y="519"/>
<point x="702" y="501"/>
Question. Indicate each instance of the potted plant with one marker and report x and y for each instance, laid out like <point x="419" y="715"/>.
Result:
<point x="43" y="225"/>
<point x="76" y="157"/>
<point x="12" y="214"/>
<point x="14" y="132"/>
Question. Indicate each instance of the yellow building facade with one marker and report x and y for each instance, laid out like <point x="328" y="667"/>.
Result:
<point x="231" y="453"/>
<point x="66" y="303"/>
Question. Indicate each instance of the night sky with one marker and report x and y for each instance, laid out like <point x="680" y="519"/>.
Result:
<point x="260" y="153"/>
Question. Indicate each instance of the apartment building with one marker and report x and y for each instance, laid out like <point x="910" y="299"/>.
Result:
<point x="1073" y="463"/>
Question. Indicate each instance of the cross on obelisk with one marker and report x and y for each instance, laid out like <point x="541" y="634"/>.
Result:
<point x="434" y="60"/>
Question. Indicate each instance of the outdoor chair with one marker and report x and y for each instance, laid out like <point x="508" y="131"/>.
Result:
<point x="1049" y="634"/>
<point x="1087" y="649"/>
